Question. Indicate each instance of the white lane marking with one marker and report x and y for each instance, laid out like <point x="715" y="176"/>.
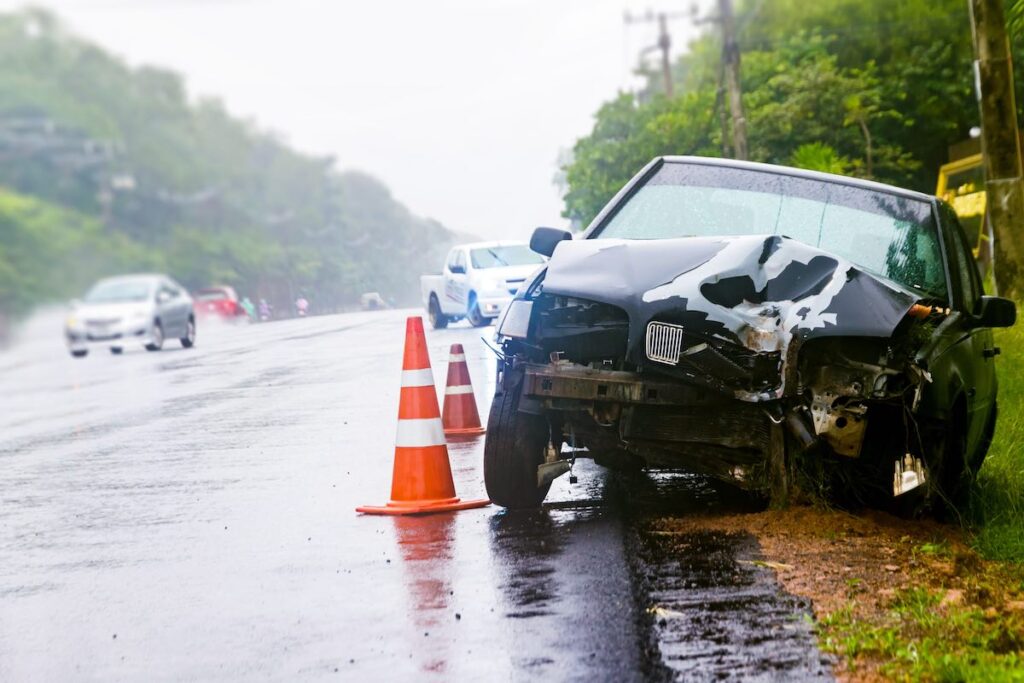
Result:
<point x="464" y="389"/>
<point x="418" y="378"/>
<point x="420" y="433"/>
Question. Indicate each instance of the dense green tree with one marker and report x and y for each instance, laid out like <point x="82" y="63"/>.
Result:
<point x="873" y="88"/>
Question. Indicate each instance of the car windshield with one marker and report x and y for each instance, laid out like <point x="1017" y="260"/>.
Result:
<point x="885" y="234"/>
<point x="115" y="291"/>
<point x="212" y="295"/>
<point x="499" y="257"/>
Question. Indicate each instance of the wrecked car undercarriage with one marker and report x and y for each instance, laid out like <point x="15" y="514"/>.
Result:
<point x="758" y="358"/>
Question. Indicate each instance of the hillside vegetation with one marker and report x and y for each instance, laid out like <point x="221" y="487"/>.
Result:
<point x="107" y="168"/>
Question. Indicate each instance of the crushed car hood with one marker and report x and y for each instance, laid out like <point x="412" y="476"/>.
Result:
<point x="760" y="292"/>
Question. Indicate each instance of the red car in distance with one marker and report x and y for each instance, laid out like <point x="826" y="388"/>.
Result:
<point x="221" y="302"/>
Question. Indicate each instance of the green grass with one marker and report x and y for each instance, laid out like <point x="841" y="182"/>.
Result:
<point x="997" y="506"/>
<point x="921" y="640"/>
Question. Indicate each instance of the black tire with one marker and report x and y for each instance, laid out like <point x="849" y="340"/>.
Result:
<point x="514" y="449"/>
<point x="80" y="353"/>
<point x="438" y="320"/>
<point x="473" y="314"/>
<point x="158" y="338"/>
<point x="117" y="350"/>
<point x="189" y="340"/>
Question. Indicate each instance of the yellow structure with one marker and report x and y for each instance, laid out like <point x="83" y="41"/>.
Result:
<point x="962" y="185"/>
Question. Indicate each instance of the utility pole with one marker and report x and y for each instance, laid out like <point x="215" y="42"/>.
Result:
<point x="664" y="42"/>
<point x="1000" y="141"/>
<point x="731" y="63"/>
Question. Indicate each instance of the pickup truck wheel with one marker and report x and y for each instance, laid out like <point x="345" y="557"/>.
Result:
<point x="474" y="316"/>
<point x="438" y="320"/>
<point x="513" y="451"/>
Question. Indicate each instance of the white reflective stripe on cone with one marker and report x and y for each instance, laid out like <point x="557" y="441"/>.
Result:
<point x="419" y="433"/>
<point x="417" y="378"/>
<point x="464" y="389"/>
<point x="456" y="357"/>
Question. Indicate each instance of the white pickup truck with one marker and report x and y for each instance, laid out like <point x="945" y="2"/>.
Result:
<point x="477" y="282"/>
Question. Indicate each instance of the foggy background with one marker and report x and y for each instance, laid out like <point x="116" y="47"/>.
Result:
<point x="458" y="106"/>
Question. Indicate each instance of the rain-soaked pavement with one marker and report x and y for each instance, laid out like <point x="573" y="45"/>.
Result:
<point x="190" y="515"/>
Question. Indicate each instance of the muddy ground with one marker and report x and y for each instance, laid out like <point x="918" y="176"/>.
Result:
<point x="860" y="565"/>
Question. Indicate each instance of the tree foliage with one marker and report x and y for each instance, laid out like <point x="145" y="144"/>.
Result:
<point x="113" y="168"/>
<point x="871" y="88"/>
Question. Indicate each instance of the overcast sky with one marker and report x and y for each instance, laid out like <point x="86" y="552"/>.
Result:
<point x="460" y="106"/>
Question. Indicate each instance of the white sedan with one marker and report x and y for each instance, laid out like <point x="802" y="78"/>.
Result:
<point x="144" y="309"/>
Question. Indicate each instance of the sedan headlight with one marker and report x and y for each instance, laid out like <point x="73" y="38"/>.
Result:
<point x="516" y="320"/>
<point x="71" y="322"/>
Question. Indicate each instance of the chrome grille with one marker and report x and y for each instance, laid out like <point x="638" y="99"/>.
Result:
<point x="664" y="342"/>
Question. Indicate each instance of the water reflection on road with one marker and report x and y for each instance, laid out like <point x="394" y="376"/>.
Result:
<point x="199" y="506"/>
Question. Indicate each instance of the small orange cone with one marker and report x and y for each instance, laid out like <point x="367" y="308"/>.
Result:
<point x="422" y="478"/>
<point x="460" y="416"/>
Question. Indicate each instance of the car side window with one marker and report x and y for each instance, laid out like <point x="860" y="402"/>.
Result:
<point x="460" y="261"/>
<point x="452" y="255"/>
<point x="963" y="261"/>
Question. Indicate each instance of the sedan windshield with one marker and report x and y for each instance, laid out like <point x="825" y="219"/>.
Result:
<point x="499" y="257"/>
<point x="885" y="234"/>
<point x="116" y="291"/>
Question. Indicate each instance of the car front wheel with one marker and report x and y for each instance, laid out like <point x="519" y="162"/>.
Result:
<point x="474" y="316"/>
<point x="156" y="340"/>
<point x="514" y="449"/>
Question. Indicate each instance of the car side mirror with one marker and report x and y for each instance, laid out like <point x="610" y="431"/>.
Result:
<point x="459" y="270"/>
<point x="994" y="311"/>
<point x="544" y="240"/>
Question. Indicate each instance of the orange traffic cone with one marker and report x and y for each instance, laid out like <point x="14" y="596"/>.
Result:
<point x="460" y="416"/>
<point x="422" y="478"/>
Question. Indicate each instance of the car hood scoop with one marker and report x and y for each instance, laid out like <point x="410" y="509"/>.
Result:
<point x="756" y="291"/>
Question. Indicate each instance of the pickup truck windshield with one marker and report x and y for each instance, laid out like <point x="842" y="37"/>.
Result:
<point x="885" y="234"/>
<point x="499" y="257"/>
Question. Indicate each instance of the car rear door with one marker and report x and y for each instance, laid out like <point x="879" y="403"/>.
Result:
<point x="455" y="280"/>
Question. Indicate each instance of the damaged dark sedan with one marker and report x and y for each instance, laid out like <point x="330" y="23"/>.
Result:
<point x="774" y="328"/>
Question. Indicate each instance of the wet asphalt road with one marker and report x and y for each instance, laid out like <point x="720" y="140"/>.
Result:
<point x="189" y="515"/>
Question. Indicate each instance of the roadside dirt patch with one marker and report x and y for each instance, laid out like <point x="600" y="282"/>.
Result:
<point x="861" y="573"/>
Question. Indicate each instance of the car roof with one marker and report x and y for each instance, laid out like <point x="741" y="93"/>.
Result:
<point x="149" y="277"/>
<point x="496" y="243"/>
<point x="800" y="173"/>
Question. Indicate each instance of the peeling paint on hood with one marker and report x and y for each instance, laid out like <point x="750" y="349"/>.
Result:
<point x="759" y="292"/>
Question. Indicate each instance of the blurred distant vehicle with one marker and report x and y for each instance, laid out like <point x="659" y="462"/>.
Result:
<point x="221" y="302"/>
<point x="372" y="301"/>
<point x="477" y="282"/>
<point x="144" y="309"/>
